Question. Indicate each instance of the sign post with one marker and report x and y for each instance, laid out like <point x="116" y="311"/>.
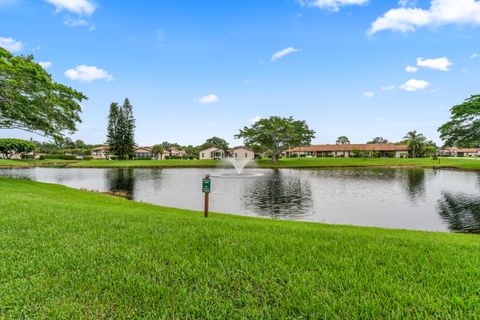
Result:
<point x="206" y="187"/>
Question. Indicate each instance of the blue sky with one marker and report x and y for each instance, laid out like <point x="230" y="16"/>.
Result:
<point x="195" y="69"/>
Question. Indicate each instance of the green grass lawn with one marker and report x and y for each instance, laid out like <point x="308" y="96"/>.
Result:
<point x="460" y="163"/>
<point x="70" y="254"/>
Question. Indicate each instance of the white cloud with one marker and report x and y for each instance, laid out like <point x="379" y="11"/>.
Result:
<point x="441" y="64"/>
<point x="441" y="12"/>
<point x="475" y="55"/>
<point x="414" y="85"/>
<point x="255" y="120"/>
<point x="10" y="44"/>
<point x="74" y="23"/>
<point x="333" y="5"/>
<point x="411" y="69"/>
<point x="87" y="74"/>
<point x="282" y="53"/>
<point x="388" y="88"/>
<point x="80" y="7"/>
<point x="208" y="99"/>
<point x="45" y="64"/>
<point x="368" y="94"/>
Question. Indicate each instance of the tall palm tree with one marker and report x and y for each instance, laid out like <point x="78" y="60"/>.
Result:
<point x="415" y="141"/>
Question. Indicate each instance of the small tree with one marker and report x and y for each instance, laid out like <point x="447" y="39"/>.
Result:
<point x="415" y="141"/>
<point x="11" y="147"/>
<point x="215" y="142"/>
<point x="378" y="140"/>
<point x="166" y="145"/>
<point x="277" y="134"/>
<point x="158" y="150"/>
<point x="343" y="140"/>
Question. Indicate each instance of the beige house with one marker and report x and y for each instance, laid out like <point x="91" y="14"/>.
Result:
<point x="349" y="150"/>
<point x="460" y="152"/>
<point x="212" y="154"/>
<point x="101" y="152"/>
<point x="143" y="153"/>
<point x="172" y="152"/>
<point x="242" y="153"/>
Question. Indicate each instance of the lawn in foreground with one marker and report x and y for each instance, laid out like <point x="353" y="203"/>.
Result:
<point x="74" y="254"/>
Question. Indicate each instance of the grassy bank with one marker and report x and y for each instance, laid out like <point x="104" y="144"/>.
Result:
<point x="73" y="254"/>
<point x="459" y="163"/>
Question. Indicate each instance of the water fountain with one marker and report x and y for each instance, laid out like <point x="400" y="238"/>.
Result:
<point x="239" y="166"/>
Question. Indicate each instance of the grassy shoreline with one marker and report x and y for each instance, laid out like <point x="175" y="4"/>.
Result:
<point x="75" y="254"/>
<point x="450" y="163"/>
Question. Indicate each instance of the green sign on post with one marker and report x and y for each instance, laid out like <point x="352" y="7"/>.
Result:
<point x="206" y="185"/>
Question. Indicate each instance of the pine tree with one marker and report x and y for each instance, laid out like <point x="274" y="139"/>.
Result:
<point x="121" y="129"/>
<point x="129" y="138"/>
<point x="112" y="130"/>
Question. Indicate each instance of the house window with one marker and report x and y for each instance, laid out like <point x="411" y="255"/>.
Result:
<point x="236" y="155"/>
<point x="203" y="155"/>
<point x="246" y="155"/>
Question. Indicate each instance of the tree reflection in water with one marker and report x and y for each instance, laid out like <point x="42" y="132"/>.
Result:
<point x="415" y="183"/>
<point x="279" y="195"/>
<point x="460" y="211"/>
<point x="120" y="182"/>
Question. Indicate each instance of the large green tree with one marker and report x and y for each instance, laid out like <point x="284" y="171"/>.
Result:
<point x="416" y="141"/>
<point x="120" y="131"/>
<point x="11" y="147"/>
<point x="277" y="134"/>
<point x="30" y="100"/>
<point x="463" y="129"/>
<point x="343" y="140"/>
<point x="215" y="142"/>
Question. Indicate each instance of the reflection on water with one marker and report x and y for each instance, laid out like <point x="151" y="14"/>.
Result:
<point x="435" y="200"/>
<point x="121" y="181"/>
<point x="460" y="211"/>
<point x="415" y="183"/>
<point x="279" y="195"/>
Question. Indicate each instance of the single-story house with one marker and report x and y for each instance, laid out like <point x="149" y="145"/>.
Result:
<point x="101" y="152"/>
<point x="19" y="156"/>
<point x="349" y="150"/>
<point x="172" y="152"/>
<point x="241" y="153"/>
<point x="460" y="152"/>
<point x="143" y="153"/>
<point x="212" y="154"/>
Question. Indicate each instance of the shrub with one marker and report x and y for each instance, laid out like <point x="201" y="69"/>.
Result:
<point x="58" y="156"/>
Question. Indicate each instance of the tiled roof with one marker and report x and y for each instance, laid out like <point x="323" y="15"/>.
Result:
<point x="349" y="147"/>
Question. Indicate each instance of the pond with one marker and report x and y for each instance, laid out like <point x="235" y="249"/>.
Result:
<point x="417" y="199"/>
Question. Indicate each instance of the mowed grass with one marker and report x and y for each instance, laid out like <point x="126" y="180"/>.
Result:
<point x="71" y="254"/>
<point x="459" y="163"/>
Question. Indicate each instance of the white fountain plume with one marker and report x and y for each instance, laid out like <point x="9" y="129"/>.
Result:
<point x="238" y="164"/>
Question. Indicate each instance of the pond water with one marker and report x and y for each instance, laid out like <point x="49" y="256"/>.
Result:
<point x="418" y="199"/>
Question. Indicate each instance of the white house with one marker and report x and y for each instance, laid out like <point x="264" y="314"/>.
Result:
<point x="241" y="153"/>
<point x="212" y="154"/>
<point x="101" y="152"/>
